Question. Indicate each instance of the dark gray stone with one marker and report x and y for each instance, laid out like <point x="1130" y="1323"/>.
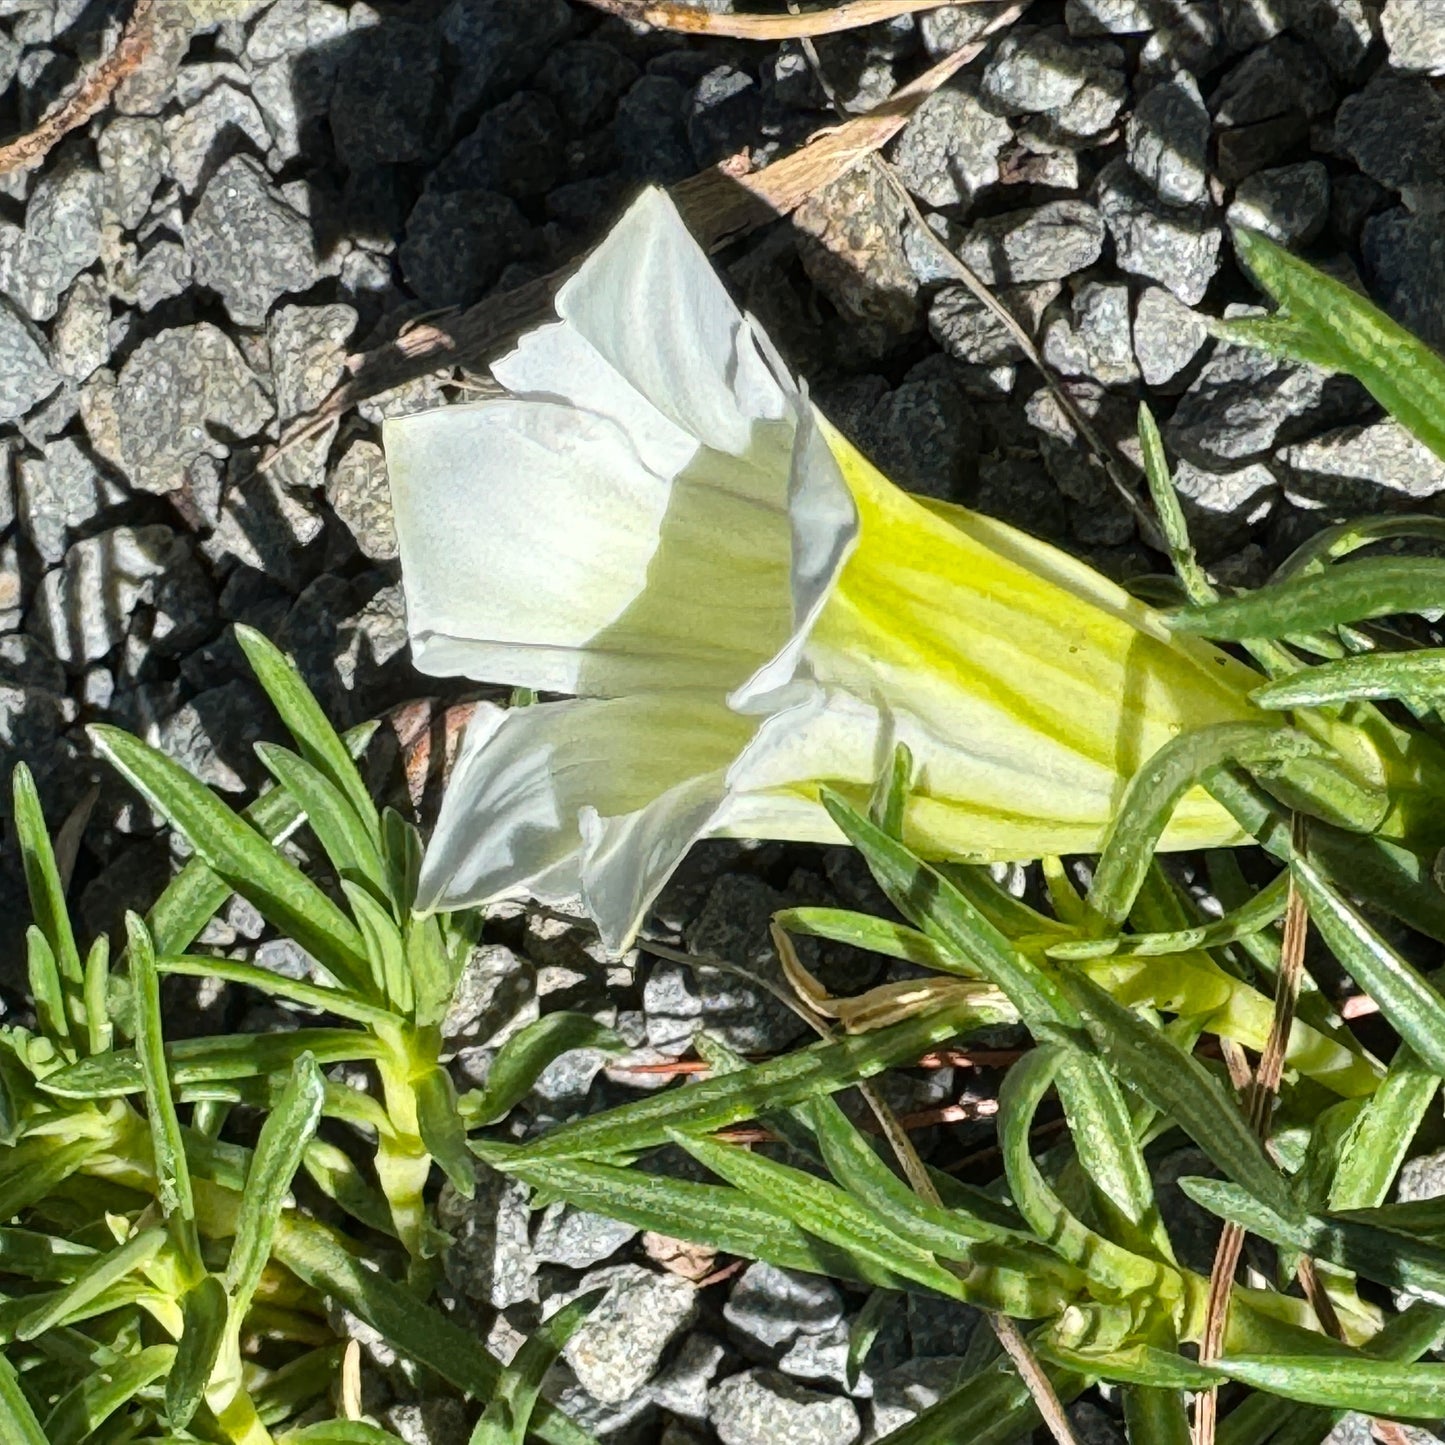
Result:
<point x="516" y="148"/>
<point x="1249" y="23"/>
<point x="722" y="114"/>
<point x="1033" y="71"/>
<point x="1343" y="31"/>
<point x="1223" y="509"/>
<point x="492" y="46"/>
<point x="26" y="375"/>
<point x="1291" y="204"/>
<point x="681" y="1386"/>
<point x="585" y="79"/>
<point x="1175" y="245"/>
<point x="971" y="333"/>
<point x="769" y="1308"/>
<point x="359" y="494"/>
<point x="1095" y="343"/>
<point x="908" y="1390"/>
<point x="1394" y="130"/>
<point x="457" y="243"/>
<point x="1404" y="255"/>
<point x="264" y="524"/>
<point x="133" y="155"/>
<point x="213" y="737"/>
<point x="182" y="395"/>
<point x="1361" y="469"/>
<point x="58" y="493"/>
<point x="388" y="91"/>
<point x="1167" y="335"/>
<point x="1042" y="243"/>
<point x="1415" y="34"/>
<point x="210" y="127"/>
<point x="1190" y="39"/>
<point x="1244" y="403"/>
<point x="651" y="131"/>
<point x="61" y="237"/>
<point x="949" y="150"/>
<point x="247" y="243"/>
<point x="616" y="1350"/>
<point x="760" y="1407"/>
<point x="1168" y="141"/>
<point x="951" y="27"/>
<point x="1284" y="75"/>
<point x="1091" y="1426"/>
<point x="490" y="1259"/>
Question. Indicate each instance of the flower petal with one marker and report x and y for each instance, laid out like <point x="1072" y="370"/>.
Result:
<point x="538" y="550"/>
<point x="597" y="798"/>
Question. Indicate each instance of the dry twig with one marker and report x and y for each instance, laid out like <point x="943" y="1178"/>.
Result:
<point x="693" y="20"/>
<point x="89" y="97"/>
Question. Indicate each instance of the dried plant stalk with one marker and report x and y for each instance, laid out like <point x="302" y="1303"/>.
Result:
<point x="89" y="97"/>
<point x="693" y="20"/>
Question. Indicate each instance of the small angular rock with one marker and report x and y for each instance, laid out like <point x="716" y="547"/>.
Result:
<point x="173" y="389"/>
<point x="219" y="118"/>
<point x="61" y="237"/>
<point x="81" y="333"/>
<point x="1178" y="246"/>
<point x="769" y="1308"/>
<point x="26" y="375"/>
<point x="585" y="79"/>
<point x="1415" y="34"/>
<point x="246" y="242"/>
<point x="496" y="45"/>
<point x="1361" y="469"/>
<point x="1290" y="204"/>
<point x="1167" y="335"/>
<point x="760" y="1407"/>
<point x="1404" y="256"/>
<point x="132" y="153"/>
<point x="59" y="492"/>
<point x="359" y="494"/>
<point x="1043" y="243"/>
<point x="1097" y="343"/>
<point x="386" y="96"/>
<point x="1223" y="509"/>
<point x="457" y="243"/>
<point x="1168" y="142"/>
<point x="949" y="150"/>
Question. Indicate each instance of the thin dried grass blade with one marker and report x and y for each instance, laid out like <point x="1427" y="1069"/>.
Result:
<point x="692" y="20"/>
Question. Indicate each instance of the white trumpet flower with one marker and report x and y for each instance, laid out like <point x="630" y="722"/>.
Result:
<point x="658" y="522"/>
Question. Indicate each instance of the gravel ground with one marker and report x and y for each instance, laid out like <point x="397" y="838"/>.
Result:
<point x="293" y="182"/>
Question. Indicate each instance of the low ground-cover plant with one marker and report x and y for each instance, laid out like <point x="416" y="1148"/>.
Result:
<point x="182" y="1221"/>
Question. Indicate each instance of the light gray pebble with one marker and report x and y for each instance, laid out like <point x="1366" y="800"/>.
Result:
<point x="294" y="27"/>
<point x="1096" y="343"/>
<point x="59" y="492"/>
<point x="681" y="1386"/>
<point x="133" y="158"/>
<point x="951" y="27"/>
<point x="360" y="495"/>
<point x="1415" y="34"/>
<point x="26" y="373"/>
<point x="1168" y="141"/>
<point x="1032" y="71"/>
<point x="1167" y="335"/>
<point x="949" y="150"/>
<point x="1042" y="243"/>
<point x="80" y="335"/>
<point x="441" y="1421"/>
<point x="1252" y="22"/>
<point x="263" y="524"/>
<point x="1223" y="509"/>
<point x="1361" y="469"/>
<point x="164" y="270"/>
<point x="970" y="333"/>
<point x="61" y="237"/>
<point x="578" y="1238"/>
<point x="225" y="112"/>
<point x="212" y="737"/>
<point x="1189" y="39"/>
<point x="1177" y="246"/>
<point x="760" y="1407"/>
<point x="308" y="349"/>
<point x="493" y="993"/>
<point x="490" y="1258"/>
<point x="173" y="389"/>
<point x="1289" y="204"/>
<point x="85" y="606"/>
<point x="770" y="1308"/>
<point x="1110" y="17"/>
<point x="247" y="243"/>
<point x="617" y="1349"/>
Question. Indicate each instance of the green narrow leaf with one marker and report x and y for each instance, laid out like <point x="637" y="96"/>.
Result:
<point x="993" y="1408"/>
<point x="203" y="1315"/>
<point x="1383" y="1132"/>
<point x="340" y="1432"/>
<point x="442" y="1130"/>
<point x="192" y="897"/>
<point x="1191" y="575"/>
<point x="508" y="1412"/>
<point x="1321" y="320"/>
<point x="173" y="1178"/>
<point x="318" y="1258"/>
<point x="42" y="882"/>
<point x="100" y="1034"/>
<point x="31" y="1169"/>
<point x="877" y="935"/>
<point x="865" y="1328"/>
<point x="353" y="851"/>
<point x="1155" y="1417"/>
<point x="1181" y="1088"/>
<point x="1410" y="676"/>
<point x="46" y="990"/>
<point x="1409" y="1002"/>
<point x="100" y="1394"/>
<point x="209" y="1060"/>
<point x="712" y="1104"/>
<point x="92" y="1282"/>
<point x="233" y="849"/>
<point x="929" y="900"/>
<point x="1348" y="592"/>
<point x="521" y="1060"/>
<point x="385" y="951"/>
<point x="267" y="981"/>
<point x="17" y="1420"/>
<point x="307" y="723"/>
<point x="1372" y="1387"/>
<point x="890" y="795"/>
<point x="282" y="1142"/>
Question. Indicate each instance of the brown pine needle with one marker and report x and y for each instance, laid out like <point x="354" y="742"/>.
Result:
<point x="693" y="20"/>
<point x="1259" y="1104"/>
<point x="88" y="98"/>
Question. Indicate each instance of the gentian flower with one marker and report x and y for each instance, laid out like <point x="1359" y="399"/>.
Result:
<point x="658" y="522"/>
